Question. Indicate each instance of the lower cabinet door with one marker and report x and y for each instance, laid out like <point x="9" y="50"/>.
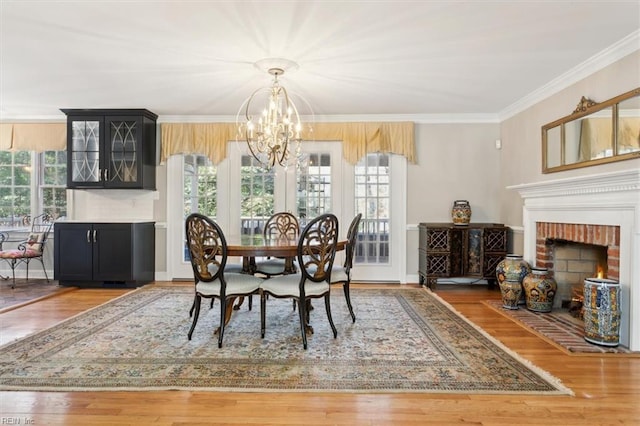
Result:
<point x="73" y="258"/>
<point x="112" y="252"/>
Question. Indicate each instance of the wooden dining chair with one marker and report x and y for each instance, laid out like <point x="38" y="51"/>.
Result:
<point x="315" y="255"/>
<point x="208" y="253"/>
<point x="31" y="248"/>
<point x="282" y="225"/>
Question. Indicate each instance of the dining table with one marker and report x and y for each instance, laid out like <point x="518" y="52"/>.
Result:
<point x="248" y="247"/>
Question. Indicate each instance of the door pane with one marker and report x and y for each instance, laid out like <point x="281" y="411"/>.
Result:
<point x="256" y="196"/>
<point x="85" y="154"/>
<point x="313" y="186"/>
<point x="200" y="189"/>
<point x="372" y="199"/>
<point x="123" y="166"/>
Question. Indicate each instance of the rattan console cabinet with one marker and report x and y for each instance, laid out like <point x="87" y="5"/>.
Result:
<point x="474" y="250"/>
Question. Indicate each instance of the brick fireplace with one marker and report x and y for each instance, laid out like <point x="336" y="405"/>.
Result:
<point x="603" y="210"/>
<point x="580" y="261"/>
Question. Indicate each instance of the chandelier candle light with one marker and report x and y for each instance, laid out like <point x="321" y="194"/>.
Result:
<point x="270" y="138"/>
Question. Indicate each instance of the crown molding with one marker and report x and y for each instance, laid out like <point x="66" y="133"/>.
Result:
<point x="613" y="53"/>
<point x="416" y="118"/>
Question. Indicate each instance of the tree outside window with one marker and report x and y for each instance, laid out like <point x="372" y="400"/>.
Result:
<point x="23" y="173"/>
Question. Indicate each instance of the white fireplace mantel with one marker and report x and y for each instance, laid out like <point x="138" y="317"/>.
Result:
<point x="600" y="199"/>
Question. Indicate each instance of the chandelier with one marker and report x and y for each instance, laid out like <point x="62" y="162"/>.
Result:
<point x="273" y="135"/>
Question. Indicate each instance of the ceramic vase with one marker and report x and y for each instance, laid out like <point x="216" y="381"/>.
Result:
<point x="513" y="268"/>
<point x="511" y="292"/>
<point x="539" y="290"/>
<point x="601" y="311"/>
<point x="461" y="212"/>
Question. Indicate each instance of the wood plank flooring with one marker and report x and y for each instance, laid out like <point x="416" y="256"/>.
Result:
<point x="607" y="388"/>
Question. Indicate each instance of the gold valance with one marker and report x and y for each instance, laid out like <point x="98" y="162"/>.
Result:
<point x="209" y="139"/>
<point x="36" y="137"/>
<point x="358" y="139"/>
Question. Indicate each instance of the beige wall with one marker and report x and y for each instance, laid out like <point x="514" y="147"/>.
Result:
<point x="455" y="162"/>
<point x="521" y="160"/>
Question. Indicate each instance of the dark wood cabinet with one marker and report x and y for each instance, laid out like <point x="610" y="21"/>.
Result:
<point x="104" y="254"/>
<point x="447" y="250"/>
<point x="113" y="148"/>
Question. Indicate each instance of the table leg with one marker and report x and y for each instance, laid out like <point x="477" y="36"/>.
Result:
<point x="227" y="314"/>
<point x="289" y="267"/>
<point x="309" y="308"/>
<point x="248" y="267"/>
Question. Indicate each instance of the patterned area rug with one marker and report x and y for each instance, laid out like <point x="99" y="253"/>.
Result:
<point x="558" y="328"/>
<point x="404" y="340"/>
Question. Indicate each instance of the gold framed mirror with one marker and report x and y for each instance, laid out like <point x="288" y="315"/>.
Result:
<point x="595" y="133"/>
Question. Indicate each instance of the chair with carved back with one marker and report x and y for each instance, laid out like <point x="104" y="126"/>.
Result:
<point x="31" y="248"/>
<point x="282" y="225"/>
<point x="315" y="255"/>
<point x="208" y="255"/>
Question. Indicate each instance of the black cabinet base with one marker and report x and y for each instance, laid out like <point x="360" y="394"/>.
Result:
<point x="104" y="284"/>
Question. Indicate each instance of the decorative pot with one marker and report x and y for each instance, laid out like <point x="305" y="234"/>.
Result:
<point x="513" y="268"/>
<point x="461" y="212"/>
<point x="539" y="290"/>
<point x="601" y="311"/>
<point x="511" y="292"/>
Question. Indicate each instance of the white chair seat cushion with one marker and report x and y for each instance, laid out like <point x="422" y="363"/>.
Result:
<point x="338" y="274"/>
<point x="236" y="284"/>
<point x="289" y="285"/>
<point x="270" y="266"/>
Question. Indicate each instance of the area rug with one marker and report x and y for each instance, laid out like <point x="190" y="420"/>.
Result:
<point x="404" y="340"/>
<point x="558" y="328"/>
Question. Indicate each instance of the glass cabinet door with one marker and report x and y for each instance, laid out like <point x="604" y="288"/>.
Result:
<point x="84" y="153"/>
<point x="123" y="158"/>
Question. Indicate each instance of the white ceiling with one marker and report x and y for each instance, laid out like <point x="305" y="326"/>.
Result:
<point x="360" y="58"/>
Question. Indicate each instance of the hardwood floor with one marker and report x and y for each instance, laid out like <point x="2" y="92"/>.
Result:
<point x="607" y="388"/>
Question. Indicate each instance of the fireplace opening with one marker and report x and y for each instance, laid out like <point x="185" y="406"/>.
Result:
<point x="573" y="252"/>
<point x="573" y="263"/>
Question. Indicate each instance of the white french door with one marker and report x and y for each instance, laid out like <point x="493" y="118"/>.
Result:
<point x="327" y="185"/>
<point x="377" y="189"/>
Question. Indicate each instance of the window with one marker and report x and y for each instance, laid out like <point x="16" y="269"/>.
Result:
<point x="200" y="190"/>
<point x="18" y="183"/>
<point x="257" y="195"/>
<point x="15" y="187"/>
<point x="200" y="186"/>
<point x="53" y="181"/>
<point x="314" y="186"/>
<point x="372" y="197"/>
